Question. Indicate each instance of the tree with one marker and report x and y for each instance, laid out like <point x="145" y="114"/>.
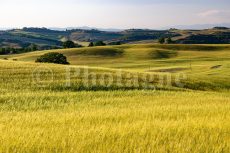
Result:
<point x="68" y="44"/>
<point x="33" y="47"/>
<point x="169" y="40"/>
<point x="91" y="44"/>
<point x="99" y="43"/>
<point x="56" y="58"/>
<point x="161" y="40"/>
<point x="115" y="43"/>
<point x="78" y="46"/>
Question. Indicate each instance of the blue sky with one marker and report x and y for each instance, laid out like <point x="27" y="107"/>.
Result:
<point x="112" y="13"/>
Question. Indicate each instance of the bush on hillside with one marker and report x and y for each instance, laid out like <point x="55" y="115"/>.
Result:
<point x="91" y="44"/>
<point x="56" y="58"/>
<point x="115" y="43"/>
<point x="68" y="44"/>
<point x="161" y="40"/>
<point x="99" y="43"/>
<point x="169" y="40"/>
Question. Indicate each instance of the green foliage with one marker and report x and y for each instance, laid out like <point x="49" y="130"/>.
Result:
<point x="99" y="43"/>
<point x="68" y="44"/>
<point x="169" y="41"/>
<point x="78" y="46"/>
<point x="115" y="43"/>
<point x="161" y="40"/>
<point x="33" y="47"/>
<point x="56" y="58"/>
<point x="30" y="48"/>
<point x="211" y="38"/>
<point x="91" y="44"/>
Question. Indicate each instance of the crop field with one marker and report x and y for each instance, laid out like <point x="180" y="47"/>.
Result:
<point x="128" y="98"/>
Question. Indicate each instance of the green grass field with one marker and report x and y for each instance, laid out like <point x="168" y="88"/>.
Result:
<point x="56" y="108"/>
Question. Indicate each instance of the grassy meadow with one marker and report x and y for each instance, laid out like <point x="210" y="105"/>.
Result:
<point x="56" y="108"/>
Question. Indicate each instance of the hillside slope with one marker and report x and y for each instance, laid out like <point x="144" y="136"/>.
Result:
<point x="46" y="38"/>
<point x="41" y="113"/>
<point x="126" y="99"/>
<point x="206" y="66"/>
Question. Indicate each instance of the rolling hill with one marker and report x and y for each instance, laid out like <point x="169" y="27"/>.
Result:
<point x="117" y="99"/>
<point x="46" y="38"/>
<point x="48" y="116"/>
<point x="198" y="62"/>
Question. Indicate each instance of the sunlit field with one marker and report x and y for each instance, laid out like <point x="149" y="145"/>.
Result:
<point x="118" y="121"/>
<point x="56" y="108"/>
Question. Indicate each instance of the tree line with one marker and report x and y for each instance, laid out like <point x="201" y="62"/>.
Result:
<point x="164" y="40"/>
<point x="69" y="44"/>
<point x="32" y="47"/>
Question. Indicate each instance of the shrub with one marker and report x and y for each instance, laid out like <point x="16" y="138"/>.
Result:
<point x="115" y="43"/>
<point x="78" y="46"/>
<point x="99" y="43"/>
<point x="169" y="41"/>
<point x="68" y="44"/>
<point x="91" y="44"/>
<point x="161" y="40"/>
<point x="56" y="58"/>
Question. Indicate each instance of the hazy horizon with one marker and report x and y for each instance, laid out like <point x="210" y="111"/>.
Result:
<point x="150" y="14"/>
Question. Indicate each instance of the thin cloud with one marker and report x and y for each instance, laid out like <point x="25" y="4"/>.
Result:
<point x="211" y="13"/>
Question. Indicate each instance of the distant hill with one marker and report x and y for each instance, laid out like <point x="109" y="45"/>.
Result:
<point x="47" y="38"/>
<point x="199" y="26"/>
<point x="216" y="35"/>
<point x="86" y="28"/>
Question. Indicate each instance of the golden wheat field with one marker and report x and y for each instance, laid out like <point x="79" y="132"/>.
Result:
<point x="51" y="108"/>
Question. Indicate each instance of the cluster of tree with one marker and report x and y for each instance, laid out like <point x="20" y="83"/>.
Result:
<point x="84" y="30"/>
<point x="43" y="30"/>
<point x="8" y="50"/>
<point x="221" y="28"/>
<point x="115" y="43"/>
<point x="163" y="40"/>
<point x="53" y="57"/>
<point x="66" y="44"/>
<point x="217" y="38"/>
<point x="98" y="43"/>
<point x="30" y="48"/>
<point x="70" y="44"/>
<point x="4" y="51"/>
